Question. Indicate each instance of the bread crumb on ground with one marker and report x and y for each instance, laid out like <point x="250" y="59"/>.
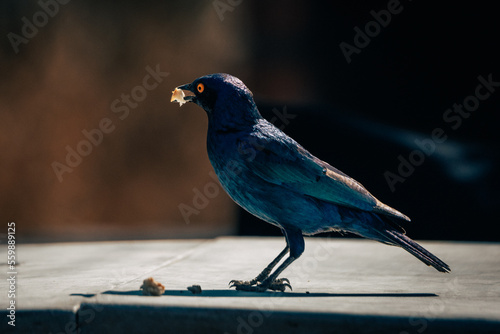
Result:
<point x="150" y="287"/>
<point x="195" y="289"/>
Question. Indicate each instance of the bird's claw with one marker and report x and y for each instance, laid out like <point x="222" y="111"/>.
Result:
<point x="279" y="284"/>
<point x="236" y="283"/>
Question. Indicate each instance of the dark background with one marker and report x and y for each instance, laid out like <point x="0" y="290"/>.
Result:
<point x="367" y="113"/>
<point x="359" y="116"/>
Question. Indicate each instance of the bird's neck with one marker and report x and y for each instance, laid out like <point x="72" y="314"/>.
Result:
<point x="234" y="119"/>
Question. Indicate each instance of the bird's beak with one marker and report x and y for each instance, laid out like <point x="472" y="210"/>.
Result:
<point x="179" y="96"/>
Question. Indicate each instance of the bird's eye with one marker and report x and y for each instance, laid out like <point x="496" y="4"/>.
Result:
<point x="200" y="88"/>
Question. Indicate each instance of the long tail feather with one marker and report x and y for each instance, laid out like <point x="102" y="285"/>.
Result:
<point x="399" y="239"/>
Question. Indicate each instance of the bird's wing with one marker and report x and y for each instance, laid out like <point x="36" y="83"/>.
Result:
<point x="280" y="160"/>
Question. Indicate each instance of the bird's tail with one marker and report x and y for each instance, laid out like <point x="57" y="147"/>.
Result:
<point x="398" y="238"/>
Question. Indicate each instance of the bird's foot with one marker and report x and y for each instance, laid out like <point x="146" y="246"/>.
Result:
<point x="279" y="284"/>
<point x="247" y="286"/>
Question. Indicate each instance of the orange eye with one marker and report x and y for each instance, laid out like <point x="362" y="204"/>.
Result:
<point x="200" y="88"/>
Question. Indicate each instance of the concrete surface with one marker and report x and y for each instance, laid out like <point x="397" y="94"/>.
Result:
<point x="339" y="285"/>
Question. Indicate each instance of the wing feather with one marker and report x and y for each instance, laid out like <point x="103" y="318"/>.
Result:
<point x="281" y="160"/>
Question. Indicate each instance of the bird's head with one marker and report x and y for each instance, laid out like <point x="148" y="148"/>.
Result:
<point x="225" y="98"/>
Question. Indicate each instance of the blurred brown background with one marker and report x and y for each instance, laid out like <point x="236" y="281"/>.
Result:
<point x="64" y="80"/>
<point x="84" y="55"/>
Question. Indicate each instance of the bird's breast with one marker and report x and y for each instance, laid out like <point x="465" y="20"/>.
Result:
<point x="270" y="202"/>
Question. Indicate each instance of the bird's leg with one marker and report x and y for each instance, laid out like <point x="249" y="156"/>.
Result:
<point x="273" y="283"/>
<point x="295" y="243"/>
<point x="264" y="274"/>
<point x="267" y="271"/>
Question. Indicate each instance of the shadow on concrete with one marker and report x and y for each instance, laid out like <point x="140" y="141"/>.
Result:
<point x="234" y="293"/>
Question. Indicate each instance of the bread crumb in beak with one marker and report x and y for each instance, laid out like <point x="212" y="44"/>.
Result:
<point x="178" y="96"/>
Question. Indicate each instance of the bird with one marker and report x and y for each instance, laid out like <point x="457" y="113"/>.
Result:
<point x="274" y="178"/>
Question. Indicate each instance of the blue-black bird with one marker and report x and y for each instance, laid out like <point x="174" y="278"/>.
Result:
<point x="274" y="178"/>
